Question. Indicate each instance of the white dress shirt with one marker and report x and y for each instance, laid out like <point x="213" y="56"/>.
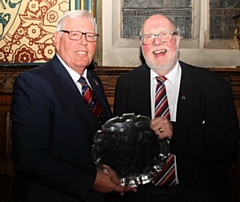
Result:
<point x="74" y="75"/>
<point x="172" y="85"/>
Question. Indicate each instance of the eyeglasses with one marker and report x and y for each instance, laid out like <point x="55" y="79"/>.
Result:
<point x="147" y="39"/>
<point x="77" y="35"/>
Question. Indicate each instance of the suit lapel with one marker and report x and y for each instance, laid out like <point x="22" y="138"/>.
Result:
<point x="185" y="93"/>
<point x="67" y="83"/>
<point x="144" y="78"/>
<point x="97" y="89"/>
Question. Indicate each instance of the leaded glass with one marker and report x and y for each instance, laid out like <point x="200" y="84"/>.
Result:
<point x="135" y="12"/>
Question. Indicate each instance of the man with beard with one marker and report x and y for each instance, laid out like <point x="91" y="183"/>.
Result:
<point x="199" y="119"/>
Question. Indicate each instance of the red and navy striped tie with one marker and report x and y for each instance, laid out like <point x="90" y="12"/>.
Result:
<point x="166" y="177"/>
<point x="90" y="99"/>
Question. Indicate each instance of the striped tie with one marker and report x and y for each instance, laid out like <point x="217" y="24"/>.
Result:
<point x="91" y="100"/>
<point x="166" y="177"/>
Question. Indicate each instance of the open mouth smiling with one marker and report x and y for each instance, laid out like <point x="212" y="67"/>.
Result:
<point x="159" y="51"/>
<point x="81" y="52"/>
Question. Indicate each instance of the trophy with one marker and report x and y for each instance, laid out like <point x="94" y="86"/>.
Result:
<point x="127" y="145"/>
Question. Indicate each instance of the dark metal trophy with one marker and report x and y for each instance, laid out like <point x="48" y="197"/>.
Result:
<point x="128" y="146"/>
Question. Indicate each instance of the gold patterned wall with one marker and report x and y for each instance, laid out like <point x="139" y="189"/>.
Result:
<point x="27" y="28"/>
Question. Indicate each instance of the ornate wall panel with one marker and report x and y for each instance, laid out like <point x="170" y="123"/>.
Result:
<point x="27" y="28"/>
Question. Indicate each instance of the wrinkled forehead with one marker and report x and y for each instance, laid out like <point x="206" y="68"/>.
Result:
<point x="157" y="23"/>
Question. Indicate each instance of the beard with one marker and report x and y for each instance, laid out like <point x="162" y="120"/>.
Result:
<point x="168" y="66"/>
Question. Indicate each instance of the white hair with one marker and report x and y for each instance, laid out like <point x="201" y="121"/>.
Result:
<point x="73" y="14"/>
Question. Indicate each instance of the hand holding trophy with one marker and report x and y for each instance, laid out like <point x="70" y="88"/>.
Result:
<point x="130" y="148"/>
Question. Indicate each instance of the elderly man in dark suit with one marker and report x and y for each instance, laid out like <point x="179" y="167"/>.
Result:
<point x="199" y="120"/>
<point x="53" y="128"/>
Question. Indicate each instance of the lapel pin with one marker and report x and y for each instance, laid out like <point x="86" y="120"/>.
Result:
<point x="184" y="97"/>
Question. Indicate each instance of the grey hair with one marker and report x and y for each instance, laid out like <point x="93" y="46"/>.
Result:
<point x="73" y="14"/>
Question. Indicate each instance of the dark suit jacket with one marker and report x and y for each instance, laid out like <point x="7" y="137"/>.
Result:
<point x="53" y="135"/>
<point x="206" y="131"/>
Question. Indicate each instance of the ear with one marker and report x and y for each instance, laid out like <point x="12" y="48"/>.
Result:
<point x="57" y="40"/>
<point x="178" y="40"/>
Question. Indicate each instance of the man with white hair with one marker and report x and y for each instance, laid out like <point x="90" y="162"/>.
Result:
<point x="197" y="118"/>
<point x="53" y="128"/>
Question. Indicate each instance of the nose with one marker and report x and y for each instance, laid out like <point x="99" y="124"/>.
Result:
<point x="157" y="40"/>
<point x="83" y="40"/>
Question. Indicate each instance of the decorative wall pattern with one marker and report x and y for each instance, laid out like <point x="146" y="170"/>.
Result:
<point x="27" y="28"/>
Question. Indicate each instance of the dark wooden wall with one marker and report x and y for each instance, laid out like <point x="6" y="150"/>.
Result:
<point x="109" y="76"/>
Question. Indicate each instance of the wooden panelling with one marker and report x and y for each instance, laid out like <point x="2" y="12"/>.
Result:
<point x="109" y="77"/>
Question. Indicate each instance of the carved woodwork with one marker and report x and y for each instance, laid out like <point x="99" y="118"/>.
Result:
<point x="109" y="77"/>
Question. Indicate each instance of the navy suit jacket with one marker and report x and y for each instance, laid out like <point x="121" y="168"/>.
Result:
<point x="52" y="131"/>
<point x="205" y="133"/>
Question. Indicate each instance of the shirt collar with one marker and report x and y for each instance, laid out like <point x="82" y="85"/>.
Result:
<point x="74" y="75"/>
<point x="171" y="76"/>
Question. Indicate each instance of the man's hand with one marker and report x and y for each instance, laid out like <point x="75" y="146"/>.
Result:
<point x="162" y="127"/>
<point x="107" y="181"/>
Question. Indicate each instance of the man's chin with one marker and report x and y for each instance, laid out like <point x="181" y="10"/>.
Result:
<point x="157" y="66"/>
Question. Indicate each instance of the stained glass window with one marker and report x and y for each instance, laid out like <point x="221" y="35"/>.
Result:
<point x="135" y="12"/>
<point x="222" y="23"/>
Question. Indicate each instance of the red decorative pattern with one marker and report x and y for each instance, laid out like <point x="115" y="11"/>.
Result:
<point x="27" y="31"/>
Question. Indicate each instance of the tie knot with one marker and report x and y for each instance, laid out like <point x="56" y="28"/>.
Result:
<point x="161" y="79"/>
<point x="82" y="80"/>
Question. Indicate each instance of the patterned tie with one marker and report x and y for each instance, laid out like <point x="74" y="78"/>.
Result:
<point x="91" y="100"/>
<point x="166" y="177"/>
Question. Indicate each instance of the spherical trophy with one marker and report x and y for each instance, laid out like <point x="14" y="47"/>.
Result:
<point x="127" y="145"/>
